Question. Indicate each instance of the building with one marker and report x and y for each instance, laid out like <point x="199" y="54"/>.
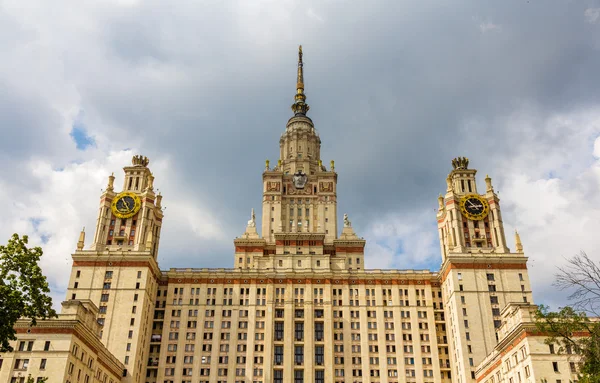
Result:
<point x="298" y="304"/>
<point x="64" y="349"/>
<point x="522" y="355"/>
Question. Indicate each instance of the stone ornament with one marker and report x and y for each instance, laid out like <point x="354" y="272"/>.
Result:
<point x="347" y="222"/>
<point x="299" y="179"/>
<point x="252" y="221"/>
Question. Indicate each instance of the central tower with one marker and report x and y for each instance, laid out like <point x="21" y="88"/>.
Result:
<point x="299" y="194"/>
<point x="299" y="208"/>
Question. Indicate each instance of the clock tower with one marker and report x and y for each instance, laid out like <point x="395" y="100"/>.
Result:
<point x="119" y="272"/>
<point x="480" y="275"/>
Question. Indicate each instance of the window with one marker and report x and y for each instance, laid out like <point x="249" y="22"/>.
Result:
<point x="319" y="355"/>
<point x="278" y="355"/>
<point x="319" y="331"/>
<point x="43" y="364"/>
<point x="551" y="346"/>
<point x="278" y="331"/>
<point x="47" y="346"/>
<point x="299" y="355"/>
<point x="278" y="374"/>
<point x="490" y="277"/>
<point x="459" y="275"/>
<point x="298" y="376"/>
<point x="299" y="331"/>
<point x="555" y="366"/>
<point x="108" y="275"/>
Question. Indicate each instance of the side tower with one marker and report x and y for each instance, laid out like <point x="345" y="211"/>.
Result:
<point x="119" y="273"/>
<point x="479" y="274"/>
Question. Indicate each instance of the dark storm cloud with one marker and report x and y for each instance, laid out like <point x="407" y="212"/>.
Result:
<point x="390" y="85"/>
<point x="396" y="91"/>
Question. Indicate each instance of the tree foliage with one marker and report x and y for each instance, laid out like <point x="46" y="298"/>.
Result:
<point x="23" y="288"/>
<point x="571" y="328"/>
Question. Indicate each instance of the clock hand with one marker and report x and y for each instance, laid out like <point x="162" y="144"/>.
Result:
<point x="125" y="204"/>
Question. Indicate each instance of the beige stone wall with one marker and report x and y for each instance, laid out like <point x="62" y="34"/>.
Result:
<point x="522" y="354"/>
<point x="125" y="298"/>
<point x="243" y="317"/>
<point x="66" y="349"/>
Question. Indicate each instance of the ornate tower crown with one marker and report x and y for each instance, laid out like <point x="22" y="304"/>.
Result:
<point x="300" y="107"/>
<point x="460" y="163"/>
<point x="140" y="160"/>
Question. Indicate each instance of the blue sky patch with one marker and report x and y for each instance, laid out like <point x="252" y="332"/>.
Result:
<point x="80" y="136"/>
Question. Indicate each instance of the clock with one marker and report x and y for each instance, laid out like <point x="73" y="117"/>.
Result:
<point x="474" y="207"/>
<point x="125" y="205"/>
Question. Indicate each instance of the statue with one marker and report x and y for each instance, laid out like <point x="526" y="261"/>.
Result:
<point x="347" y="222"/>
<point x="266" y="165"/>
<point x="252" y="222"/>
<point x="111" y="182"/>
<point x="150" y="182"/>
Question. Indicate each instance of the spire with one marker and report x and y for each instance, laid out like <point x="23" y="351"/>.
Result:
<point x="300" y="107"/>
<point x="518" y="244"/>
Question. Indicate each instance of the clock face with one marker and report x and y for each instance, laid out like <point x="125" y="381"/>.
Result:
<point x="125" y="205"/>
<point x="474" y="207"/>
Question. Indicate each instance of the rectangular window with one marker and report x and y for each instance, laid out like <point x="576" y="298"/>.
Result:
<point x="299" y="355"/>
<point x="278" y="331"/>
<point x="319" y="331"/>
<point x="277" y="376"/>
<point x="47" y="346"/>
<point x="298" y="376"/>
<point x="278" y="355"/>
<point x="319" y="355"/>
<point x="43" y="364"/>
<point x="299" y="331"/>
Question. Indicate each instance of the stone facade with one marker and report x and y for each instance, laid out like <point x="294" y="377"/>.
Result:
<point x="521" y="354"/>
<point x="64" y="349"/>
<point x="298" y="304"/>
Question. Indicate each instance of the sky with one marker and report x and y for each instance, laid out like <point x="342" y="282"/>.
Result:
<point x="396" y="88"/>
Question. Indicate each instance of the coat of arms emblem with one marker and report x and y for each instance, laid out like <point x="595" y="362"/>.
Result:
<point x="300" y="178"/>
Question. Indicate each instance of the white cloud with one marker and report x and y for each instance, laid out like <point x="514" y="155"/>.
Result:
<point x="486" y="27"/>
<point x="551" y="192"/>
<point x="66" y="200"/>
<point x="592" y="15"/>
<point x="401" y="240"/>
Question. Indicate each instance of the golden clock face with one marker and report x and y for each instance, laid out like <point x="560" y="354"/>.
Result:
<point x="125" y="205"/>
<point x="474" y="207"/>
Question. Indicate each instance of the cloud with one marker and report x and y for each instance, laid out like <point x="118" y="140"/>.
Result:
<point x="592" y="15"/>
<point x="203" y="88"/>
<point x="486" y="27"/>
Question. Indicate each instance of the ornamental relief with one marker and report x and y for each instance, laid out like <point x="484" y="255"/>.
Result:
<point x="273" y="186"/>
<point x="326" y="186"/>
<point x="305" y="191"/>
